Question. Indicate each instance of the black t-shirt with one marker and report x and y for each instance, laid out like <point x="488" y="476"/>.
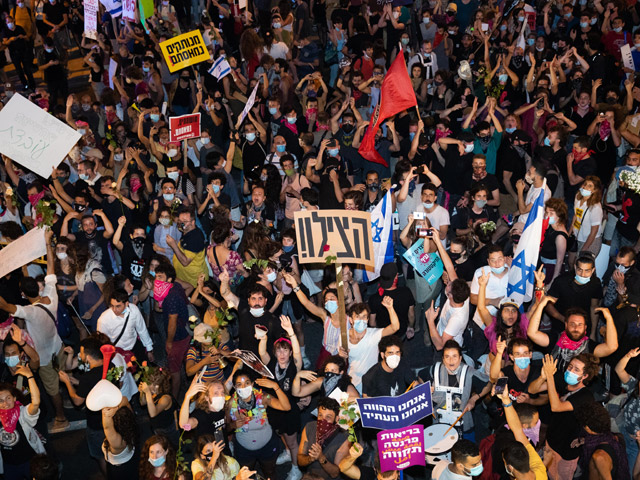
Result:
<point x="253" y="156"/>
<point x="86" y="382"/>
<point x="489" y="181"/>
<point x="379" y="383"/>
<point x="134" y="260"/>
<point x="517" y="387"/>
<point x="19" y="45"/>
<point x="328" y="200"/>
<point x="456" y="168"/>
<point x="466" y="269"/>
<point x="211" y="423"/>
<point x="14" y="446"/>
<point x="247" y="328"/>
<point x="629" y="216"/>
<point x="193" y="241"/>
<point x="467" y="218"/>
<point x="571" y="294"/>
<point x="114" y="210"/>
<point x="509" y="161"/>
<point x="98" y="245"/>
<point x="583" y="169"/>
<point x="402" y="300"/>
<point x="564" y="427"/>
<point x="55" y="13"/>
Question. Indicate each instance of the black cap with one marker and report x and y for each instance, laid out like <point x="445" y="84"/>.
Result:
<point x="388" y="274"/>
<point x="521" y="135"/>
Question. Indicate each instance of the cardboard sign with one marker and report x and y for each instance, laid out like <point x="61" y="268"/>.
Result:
<point x="23" y="250"/>
<point x="401" y="448"/>
<point x="129" y="9"/>
<point x="184" y="50"/>
<point x="34" y="138"/>
<point x="345" y="234"/>
<point x="396" y="412"/>
<point x="428" y="265"/>
<point x="184" y="127"/>
<point x="91" y="19"/>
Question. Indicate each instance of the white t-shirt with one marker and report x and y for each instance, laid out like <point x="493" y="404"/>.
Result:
<point x="532" y="194"/>
<point x="585" y="218"/>
<point x="496" y="288"/>
<point x="278" y="50"/>
<point x="453" y="320"/>
<point x="441" y="472"/>
<point x="363" y="355"/>
<point x="438" y="218"/>
<point x="411" y="204"/>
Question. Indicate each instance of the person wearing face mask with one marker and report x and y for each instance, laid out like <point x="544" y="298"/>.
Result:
<point x="51" y="62"/>
<point x="167" y="196"/>
<point x="465" y="463"/>
<point x="208" y="417"/>
<point x="497" y="268"/>
<point x="292" y="185"/>
<point x="15" y="38"/>
<point x="183" y="183"/>
<point x="212" y="462"/>
<point x="534" y="180"/>
<point x="155" y="394"/>
<point x="456" y="156"/>
<point x="333" y="375"/>
<point x="19" y="352"/>
<point x="477" y="212"/>
<point x="329" y="175"/>
<point x="454" y="317"/>
<point x="520" y="459"/>
<point x="255" y="441"/>
<point x="161" y="459"/>
<point x="620" y="273"/>
<point x="453" y="389"/>
<point x="391" y="376"/>
<point x="363" y="339"/>
<point x="252" y="313"/>
<point x="556" y="239"/>
<point x="567" y="394"/>
<point x="485" y="141"/>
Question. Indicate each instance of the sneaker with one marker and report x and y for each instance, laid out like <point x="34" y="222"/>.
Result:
<point x="284" y="457"/>
<point x="306" y="363"/>
<point x="58" y="426"/>
<point x="294" y="473"/>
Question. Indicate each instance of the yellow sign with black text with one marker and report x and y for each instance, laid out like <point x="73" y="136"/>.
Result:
<point x="184" y="50"/>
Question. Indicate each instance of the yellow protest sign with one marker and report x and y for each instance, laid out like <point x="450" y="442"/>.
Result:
<point x="184" y="50"/>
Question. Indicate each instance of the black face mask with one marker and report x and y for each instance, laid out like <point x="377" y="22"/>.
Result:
<point x="138" y="241"/>
<point x="79" y="208"/>
<point x="455" y="255"/>
<point x="347" y="128"/>
<point x="611" y="100"/>
<point x="577" y="83"/>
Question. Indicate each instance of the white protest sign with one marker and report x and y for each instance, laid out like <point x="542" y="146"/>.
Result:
<point x="91" y="19"/>
<point x="627" y="58"/>
<point x="113" y="68"/>
<point x="24" y="250"/>
<point x="129" y="9"/>
<point x="34" y="138"/>
<point x="250" y="101"/>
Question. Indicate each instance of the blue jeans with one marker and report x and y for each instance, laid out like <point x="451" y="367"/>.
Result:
<point x="632" y="449"/>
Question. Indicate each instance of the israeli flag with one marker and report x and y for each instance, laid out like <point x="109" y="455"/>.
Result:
<point x="114" y="7"/>
<point x="382" y="235"/>
<point x="220" y="69"/>
<point x="521" y="275"/>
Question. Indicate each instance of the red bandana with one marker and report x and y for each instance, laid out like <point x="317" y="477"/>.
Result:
<point x="161" y="290"/>
<point x="9" y="417"/>
<point x="565" y="342"/>
<point x="324" y="430"/>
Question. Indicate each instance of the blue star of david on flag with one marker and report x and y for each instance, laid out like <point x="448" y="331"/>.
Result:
<point x="376" y="231"/>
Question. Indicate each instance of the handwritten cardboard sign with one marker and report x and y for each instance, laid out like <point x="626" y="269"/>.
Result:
<point x="401" y="448"/>
<point x="396" y="412"/>
<point x="345" y="234"/>
<point x="184" y="50"/>
<point x="34" y="138"/>
<point x="184" y="127"/>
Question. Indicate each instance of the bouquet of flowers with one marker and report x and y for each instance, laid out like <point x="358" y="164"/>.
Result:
<point x="631" y="180"/>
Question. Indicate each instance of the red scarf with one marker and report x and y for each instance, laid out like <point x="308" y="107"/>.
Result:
<point x="578" y="157"/>
<point x="9" y="417"/>
<point x="324" y="430"/>
<point x="565" y="342"/>
<point x="161" y="290"/>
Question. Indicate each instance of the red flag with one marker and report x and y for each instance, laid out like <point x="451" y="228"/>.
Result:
<point x="396" y="95"/>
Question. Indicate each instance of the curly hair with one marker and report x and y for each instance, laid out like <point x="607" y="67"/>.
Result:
<point x="162" y="379"/>
<point x="595" y="416"/>
<point x="124" y="422"/>
<point x="250" y="44"/>
<point x="256" y="238"/>
<point x="559" y="207"/>
<point x="79" y="255"/>
<point x="202" y="399"/>
<point x="591" y="365"/>
<point x="146" y="469"/>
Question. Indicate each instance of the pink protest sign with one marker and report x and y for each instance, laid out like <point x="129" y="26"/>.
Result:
<point x="401" y="448"/>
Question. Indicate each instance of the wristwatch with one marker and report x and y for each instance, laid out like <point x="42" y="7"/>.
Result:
<point x="296" y="289"/>
<point x="323" y="462"/>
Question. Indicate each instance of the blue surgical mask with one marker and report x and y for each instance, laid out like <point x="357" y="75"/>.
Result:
<point x="12" y="361"/>
<point x="82" y="131"/>
<point x="480" y="203"/>
<point x="522" y="362"/>
<point x="571" y="378"/>
<point x="617" y="30"/>
<point x="510" y="129"/>
<point x="271" y="277"/>
<point x="584" y="24"/>
<point x="412" y="135"/>
<point x="250" y="136"/>
<point x="427" y="205"/>
<point x="331" y="306"/>
<point x="502" y="78"/>
<point x="157" y="462"/>
<point x="287" y="248"/>
<point x="552" y="220"/>
<point x="83" y="176"/>
<point x="168" y="196"/>
<point x="531" y="41"/>
<point x="257" y="312"/>
<point x="498" y="271"/>
<point x="281" y="148"/>
<point x="273" y="110"/>
<point x="146" y="69"/>
<point x="155" y="117"/>
<point x="503" y="28"/>
<point x="585" y="193"/>
<point x="477" y="470"/>
<point x="291" y="120"/>
<point x="360" y="325"/>
<point x="333" y="152"/>
<point x="215" y="188"/>
<point x="582" y="280"/>
<point x="547" y="142"/>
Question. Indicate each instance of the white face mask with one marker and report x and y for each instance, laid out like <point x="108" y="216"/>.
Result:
<point x="172" y="153"/>
<point x="205" y="140"/>
<point x="244" y="392"/>
<point x="216" y="404"/>
<point x="173" y="176"/>
<point x="392" y="361"/>
<point x="62" y="255"/>
<point x="272" y="277"/>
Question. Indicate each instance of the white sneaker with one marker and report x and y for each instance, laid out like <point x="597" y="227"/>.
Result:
<point x="284" y="457"/>
<point x="295" y="473"/>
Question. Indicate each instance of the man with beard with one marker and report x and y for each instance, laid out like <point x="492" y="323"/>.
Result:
<point x="573" y="340"/>
<point x="97" y="240"/>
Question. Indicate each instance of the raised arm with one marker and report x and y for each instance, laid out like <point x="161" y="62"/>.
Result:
<point x="533" y="331"/>
<point x="486" y="317"/>
<point x="610" y="344"/>
<point x="306" y="303"/>
<point x="394" y="324"/>
<point x="621" y="366"/>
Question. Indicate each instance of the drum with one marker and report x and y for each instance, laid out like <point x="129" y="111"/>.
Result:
<point x="437" y="445"/>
